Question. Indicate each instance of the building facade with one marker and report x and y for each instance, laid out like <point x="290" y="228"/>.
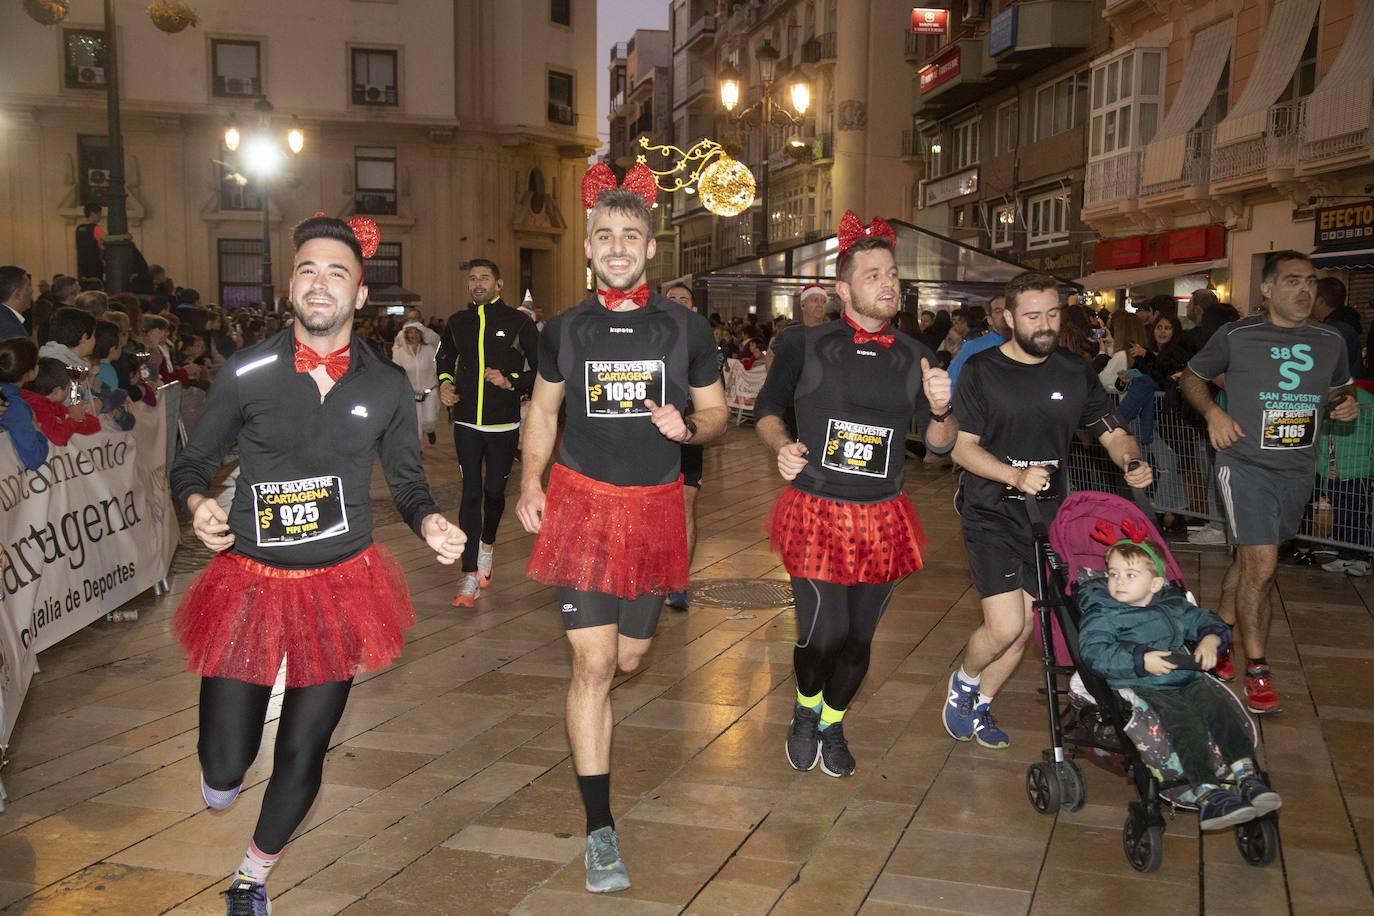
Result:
<point x="461" y="126"/>
<point x="1222" y="131"/>
<point x="849" y="54"/>
<point x="998" y="128"/>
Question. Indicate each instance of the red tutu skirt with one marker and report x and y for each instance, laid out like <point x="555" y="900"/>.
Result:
<point x="623" y="541"/>
<point x="843" y="542"/>
<point x="240" y="618"/>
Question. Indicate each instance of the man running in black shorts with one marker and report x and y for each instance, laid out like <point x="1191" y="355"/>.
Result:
<point x="693" y="462"/>
<point x="1281" y="371"/>
<point x="311" y="410"/>
<point x="482" y="376"/>
<point x="612" y="534"/>
<point x="846" y="532"/>
<point x="1018" y="405"/>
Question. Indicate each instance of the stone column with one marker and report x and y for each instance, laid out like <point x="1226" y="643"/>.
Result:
<point x="849" y="173"/>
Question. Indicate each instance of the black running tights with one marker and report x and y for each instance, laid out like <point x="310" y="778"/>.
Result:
<point x="231" y="722"/>
<point x="835" y="627"/>
<point x="484" y="496"/>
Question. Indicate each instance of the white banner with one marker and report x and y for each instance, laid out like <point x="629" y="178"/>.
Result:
<point x="90" y="529"/>
<point x="742" y="385"/>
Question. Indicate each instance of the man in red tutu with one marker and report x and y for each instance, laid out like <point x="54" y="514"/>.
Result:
<point x="298" y="576"/>
<point x="612" y="533"/>
<point x="845" y="530"/>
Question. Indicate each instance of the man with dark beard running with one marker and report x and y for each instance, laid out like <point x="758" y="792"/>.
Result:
<point x="1018" y="405"/>
<point x="612" y="537"/>
<point x="845" y="530"/>
<point x="298" y="576"/>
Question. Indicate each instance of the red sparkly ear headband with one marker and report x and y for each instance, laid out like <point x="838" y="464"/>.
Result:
<point x="852" y="229"/>
<point x="366" y="231"/>
<point x="600" y="178"/>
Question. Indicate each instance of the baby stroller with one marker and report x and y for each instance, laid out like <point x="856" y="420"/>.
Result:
<point x="1095" y="719"/>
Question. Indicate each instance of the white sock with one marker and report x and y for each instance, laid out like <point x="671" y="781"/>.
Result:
<point x="256" y="864"/>
<point x="970" y="679"/>
<point x="983" y="699"/>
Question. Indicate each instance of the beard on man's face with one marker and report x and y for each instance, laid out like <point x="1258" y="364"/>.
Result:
<point x="1040" y="343"/>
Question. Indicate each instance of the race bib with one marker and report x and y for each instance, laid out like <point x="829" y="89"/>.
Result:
<point x="1289" y="428"/>
<point x="619" y="388"/>
<point x="1053" y="487"/>
<point x="296" y="511"/>
<point x="854" y="448"/>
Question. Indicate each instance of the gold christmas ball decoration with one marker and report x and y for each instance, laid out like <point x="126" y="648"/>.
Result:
<point x="46" y="12"/>
<point x="172" y="16"/>
<point x="726" y="187"/>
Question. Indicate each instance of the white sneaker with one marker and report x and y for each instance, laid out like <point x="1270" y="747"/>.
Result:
<point x="468" y="590"/>
<point x="1358" y="568"/>
<point x="485" y="554"/>
<point x="1339" y="565"/>
<point x="1207" y="536"/>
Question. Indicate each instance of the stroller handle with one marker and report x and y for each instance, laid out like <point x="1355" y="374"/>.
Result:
<point x="1037" y="517"/>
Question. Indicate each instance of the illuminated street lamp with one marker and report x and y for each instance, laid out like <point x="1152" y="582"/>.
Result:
<point x="262" y="157"/>
<point x="767" y="112"/>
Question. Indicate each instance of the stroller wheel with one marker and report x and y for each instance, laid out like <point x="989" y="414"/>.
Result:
<point x="1258" y="840"/>
<point x="1143" y="843"/>
<point x="1073" y="790"/>
<point x="1042" y="788"/>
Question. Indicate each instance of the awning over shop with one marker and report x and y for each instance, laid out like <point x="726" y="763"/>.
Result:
<point x="1201" y="73"/>
<point x="1359" y="259"/>
<point x="1290" y="22"/>
<point x="1341" y="104"/>
<point x="1139" y="276"/>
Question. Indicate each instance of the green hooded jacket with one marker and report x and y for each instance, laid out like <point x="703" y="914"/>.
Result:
<point x="1114" y="637"/>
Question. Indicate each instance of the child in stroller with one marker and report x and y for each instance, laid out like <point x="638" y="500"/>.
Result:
<point x="1133" y="633"/>
<point x="1088" y="718"/>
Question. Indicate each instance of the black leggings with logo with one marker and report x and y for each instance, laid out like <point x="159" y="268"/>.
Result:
<point x="232" y="714"/>
<point x="835" y="627"/>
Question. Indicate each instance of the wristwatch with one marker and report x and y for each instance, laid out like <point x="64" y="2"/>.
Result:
<point x="691" y="431"/>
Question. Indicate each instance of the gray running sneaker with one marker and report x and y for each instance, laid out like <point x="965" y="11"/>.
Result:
<point x="803" y="743"/>
<point x="468" y="590"/>
<point x="605" y="870"/>
<point x="835" y="757"/>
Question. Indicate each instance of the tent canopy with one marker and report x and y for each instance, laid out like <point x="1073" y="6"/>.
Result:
<point x="936" y="271"/>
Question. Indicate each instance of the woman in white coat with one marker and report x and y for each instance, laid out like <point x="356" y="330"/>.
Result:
<point x="413" y="354"/>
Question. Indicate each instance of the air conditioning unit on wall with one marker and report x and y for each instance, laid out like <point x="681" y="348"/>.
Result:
<point x="374" y="93"/>
<point x="235" y="85"/>
<point x="90" y="76"/>
<point x="975" y="10"/>
<point x="98" y="178"/>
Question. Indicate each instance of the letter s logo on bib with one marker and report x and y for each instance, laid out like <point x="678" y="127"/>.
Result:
<point x="1296" y="361"/>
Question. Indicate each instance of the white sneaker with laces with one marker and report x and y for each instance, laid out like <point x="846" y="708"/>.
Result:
<point x="1207" y="536"/>
<point x="486" y="554"/>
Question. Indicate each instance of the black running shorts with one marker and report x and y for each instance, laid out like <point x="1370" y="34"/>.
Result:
<point x="636" y="618"/>
<point x="693" y="457"/>
<point x="1001" y="562"/>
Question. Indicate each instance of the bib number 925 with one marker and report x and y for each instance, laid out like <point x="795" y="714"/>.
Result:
<point x="299" y="514"/>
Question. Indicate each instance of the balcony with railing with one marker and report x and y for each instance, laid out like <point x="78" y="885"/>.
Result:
<point x="1252" y="159"/>
<point x="1338" y="128"/>
<point x="1196" y="172"/>
<point x="617" y="103"/>
<point x="913" y="147"/>
<point x="701" y="31"/>
<point x="820" y="49"/>
<point x="1112" y="180"/>
<point x="619" y="51"/>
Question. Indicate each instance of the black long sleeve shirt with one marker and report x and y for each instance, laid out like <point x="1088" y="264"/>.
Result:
<point x="305" y="464"/>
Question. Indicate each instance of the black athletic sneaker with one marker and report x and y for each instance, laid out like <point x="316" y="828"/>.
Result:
<point x="803" y="744"/>
<point x="835" y="757"/>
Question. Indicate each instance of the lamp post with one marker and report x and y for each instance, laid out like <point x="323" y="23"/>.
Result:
<point x="263" y="157"/>
<point x="767" y="111"/>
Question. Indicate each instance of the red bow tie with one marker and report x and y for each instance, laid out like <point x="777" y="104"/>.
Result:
<point x="865" y="337"/>
<point x="336" y="363"/>
<point x="639" y="296"/>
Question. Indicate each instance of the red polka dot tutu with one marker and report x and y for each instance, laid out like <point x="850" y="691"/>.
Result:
<point x="599" y="537"/>
<point x="844" y="542"/>
<point x="240" y="618"/>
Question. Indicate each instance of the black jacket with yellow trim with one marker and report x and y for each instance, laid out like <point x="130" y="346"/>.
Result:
<point x="488" y="336"/>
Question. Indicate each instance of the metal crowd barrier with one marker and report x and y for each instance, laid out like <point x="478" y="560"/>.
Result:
<point x="1339" y="514"/>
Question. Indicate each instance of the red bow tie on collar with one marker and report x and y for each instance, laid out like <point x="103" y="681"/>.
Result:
<point x="865" y="337"/>
<point x="639" y="296"/>
<point x="336" y="363"/>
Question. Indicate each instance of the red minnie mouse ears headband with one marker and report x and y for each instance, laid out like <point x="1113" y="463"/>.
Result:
<point x="365" y="230"/>
<point x="852" y="229"/>
<point x="600" y="178"/>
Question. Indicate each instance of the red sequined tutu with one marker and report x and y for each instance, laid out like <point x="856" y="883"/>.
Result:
<point x="241" y="617"/>
<point x="623" y="541"/>
<point x="844" y="542"/>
